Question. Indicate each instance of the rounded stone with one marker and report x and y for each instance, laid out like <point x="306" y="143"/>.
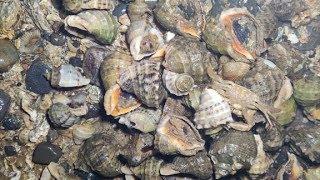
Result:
<point x="10" y="150"/>
<point x="5" y="102"/>
<point x="11" y="122"/>
<point x="45" y="153"/>
<point x="35" y="78"/>
<point x="8" y="55"/>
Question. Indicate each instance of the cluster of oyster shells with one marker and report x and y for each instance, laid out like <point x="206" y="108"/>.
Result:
<point x="199" y="89"/>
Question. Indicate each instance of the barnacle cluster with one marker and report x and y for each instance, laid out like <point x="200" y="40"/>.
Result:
<point x="162" y="89"/>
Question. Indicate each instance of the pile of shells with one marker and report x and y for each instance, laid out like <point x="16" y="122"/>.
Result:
<point x="161" y="89"/>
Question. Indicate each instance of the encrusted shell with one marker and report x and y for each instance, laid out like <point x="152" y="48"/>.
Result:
<point x="192" y="100"/>
<point x="213" y="110"/>
<point x="306" y="142"/>
<point x="265" y="81"/>
<point x="100" y="153"/>
<point x="232" y="151"/>
<point x="143" y="78"/>
<point x="79" y="5"/>
<point x="176" y="134"/>
<point x="198" y="165"/>
<point x="149" y="169"/>
<point x="110" y="67"/>
<point x="9" y="55"/>
<point x="286" y="58"/>
<point x="117" y="102"/>
<point x="235" y="33"/>
<point x="177" y="84"/>
<point x="100" y="24"/>
<point x="60" y="116"/>
<point x="139" y="149"/>
<point x="313" y="113"/>
<point x="306" y="91"/>
<point x="186" y="55"/>
<point x="143" y="37"/>
<point x="184" y="17"/>
<point x="68" y="76"/>
<point x="287" y="112"/>
<point x="142" y="119"/>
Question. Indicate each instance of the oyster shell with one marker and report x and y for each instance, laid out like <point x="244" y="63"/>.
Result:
<point x="143" y="78"/>
<point x="111" y="65"/>
<point x="184" y="17"/>
<point x="177" y="84"/>
<point x="198" y="165"/>
<point x="176" y="134"/>
<point x="306" y="90"/>
<point x="232" y="151"/>
<point x="100" y="24"/>
<point x="235" y="33"/>
<point x="142" y="119"/>
<point x="144" y="38"/>
<point x="186" y="55"/>
<point x="213" y="110"/>
<point x="79" y="5"/>
<point x="117" y="102"/>
<point x="68" y="76"/>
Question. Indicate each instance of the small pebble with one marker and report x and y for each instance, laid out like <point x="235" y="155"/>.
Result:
<point x="9" y="55"/>
<point x="120" y="9"/>
<point x="45" y="153"/>
<point x="5" y="102"/>
<point x="10" y="150"/>
<point x="36" y="80"/>
<point x="11" y="122"/>
<point x="57" y="39"/>
<point x="75" y="61"/>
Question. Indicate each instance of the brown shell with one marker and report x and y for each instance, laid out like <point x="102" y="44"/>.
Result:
<point x="198" y="165"/>
<point x="232" y="151"/>
<point x="186" y="55"/>
<point x="110" y="67"/>
<point x="265" y="81"/>
<point x="184" y="17"/>
<point x="143" y="78"/>
<point x="176" y="134"/>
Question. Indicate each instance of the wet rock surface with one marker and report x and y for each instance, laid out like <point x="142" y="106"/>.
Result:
<point x="45" y="152"/>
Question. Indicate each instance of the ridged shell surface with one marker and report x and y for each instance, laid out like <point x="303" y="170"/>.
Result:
<point x="143" y="78"/>
<point x="79" y="5"/>
<point x="213" y="110"/>
<point x="110" y="67"/>
<point x="186" y="55"/>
